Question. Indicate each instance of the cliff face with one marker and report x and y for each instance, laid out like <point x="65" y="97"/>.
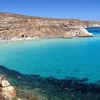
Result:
<point x="19" y="26"/>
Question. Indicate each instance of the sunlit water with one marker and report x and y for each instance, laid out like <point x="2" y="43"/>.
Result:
<point x="60" y="58"/>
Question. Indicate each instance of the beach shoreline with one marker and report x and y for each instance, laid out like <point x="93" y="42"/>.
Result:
<point x="41" y="38"/>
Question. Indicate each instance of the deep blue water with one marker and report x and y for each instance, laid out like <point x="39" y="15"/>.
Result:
<point x="95" y="31"/>
<point x="60" y="58"/>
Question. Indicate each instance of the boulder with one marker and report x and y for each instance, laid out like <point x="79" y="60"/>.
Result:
<point x="6" y="90"/>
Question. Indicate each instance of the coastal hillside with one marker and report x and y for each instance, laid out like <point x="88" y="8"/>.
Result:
<point x="20" y="26"/>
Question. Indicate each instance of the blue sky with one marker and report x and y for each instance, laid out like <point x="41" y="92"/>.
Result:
<point x="75" y="9"/>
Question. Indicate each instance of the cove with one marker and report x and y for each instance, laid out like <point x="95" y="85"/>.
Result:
<point x="60" y="58"/>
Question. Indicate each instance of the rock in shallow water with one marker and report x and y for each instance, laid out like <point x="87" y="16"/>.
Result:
<point x="5" y="83"/>
<point x="7" y="92"/>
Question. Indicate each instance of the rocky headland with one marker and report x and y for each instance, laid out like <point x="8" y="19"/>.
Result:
<point x="14" y="26"/>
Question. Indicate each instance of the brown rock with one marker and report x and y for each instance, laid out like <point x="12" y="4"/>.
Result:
<point x="6" y="90"/>
<point x="19" y="26"/>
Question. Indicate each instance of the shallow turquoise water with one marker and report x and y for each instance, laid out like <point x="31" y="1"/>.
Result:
<point x="60" y="58"/>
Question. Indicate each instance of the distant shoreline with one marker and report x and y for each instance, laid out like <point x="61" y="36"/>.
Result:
<point x="19" y="27"/>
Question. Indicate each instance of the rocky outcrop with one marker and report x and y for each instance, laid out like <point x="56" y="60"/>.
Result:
<point x="7" y="92"/>
<point x="84" y="33"/>
<point x="19" y="26"/>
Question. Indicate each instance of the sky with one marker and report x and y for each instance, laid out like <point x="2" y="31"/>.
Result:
<point x="64" y="9"/>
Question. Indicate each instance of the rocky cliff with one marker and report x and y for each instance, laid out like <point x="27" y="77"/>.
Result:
<point x="20" y="26"/>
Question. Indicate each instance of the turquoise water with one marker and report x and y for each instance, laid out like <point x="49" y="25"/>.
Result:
<point x="60" y="58"/>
